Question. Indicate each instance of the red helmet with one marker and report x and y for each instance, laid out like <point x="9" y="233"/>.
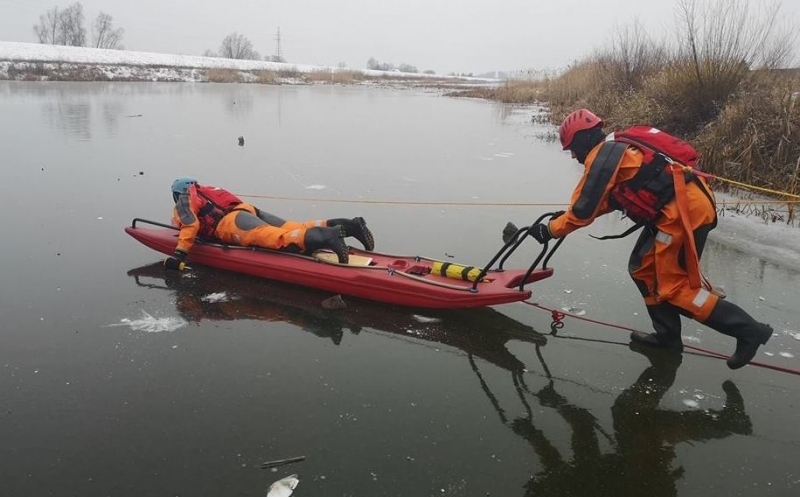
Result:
<point x="579" y="120"/>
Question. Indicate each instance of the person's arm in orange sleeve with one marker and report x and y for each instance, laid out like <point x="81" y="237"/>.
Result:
<point x="184" y="218"/>
<point x="568" y="222"/>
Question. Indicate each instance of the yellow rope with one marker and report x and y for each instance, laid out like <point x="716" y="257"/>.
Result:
<point x="404" y="202"/>
<point x="531" y="204"/>
<point x="748" y="186"/>
<point x="758" y="188"/>
<point x="481" y="204"/>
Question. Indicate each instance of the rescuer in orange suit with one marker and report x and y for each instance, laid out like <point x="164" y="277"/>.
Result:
<point x="664" y="263"/>
<point x="215" y="214"/>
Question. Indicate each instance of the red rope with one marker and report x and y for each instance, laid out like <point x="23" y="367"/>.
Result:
<point x="558" y="317"/>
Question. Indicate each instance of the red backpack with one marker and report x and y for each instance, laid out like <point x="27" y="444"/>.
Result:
<point x="652" y="141"/>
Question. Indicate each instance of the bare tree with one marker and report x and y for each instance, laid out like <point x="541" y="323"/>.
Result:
<point x="104" y="35"/>
<point x="47" y="29"/>
<point x="236" y="46"/>
<point x="71" y="29"/>
<point x="62" y="27"/>
<point x="632" y="58"/>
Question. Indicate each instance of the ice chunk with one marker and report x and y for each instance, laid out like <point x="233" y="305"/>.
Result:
<point x="575" y="311"/>
<point x="283" y="487"/>
<point x="425" y="319"/>
<point x="152" y="324"/>
<point x="215" y="297"/>
<point x="691" y="403"/>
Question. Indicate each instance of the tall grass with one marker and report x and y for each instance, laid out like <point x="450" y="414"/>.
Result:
<point x="715" y="79"/>
<point x="224" y="76"/>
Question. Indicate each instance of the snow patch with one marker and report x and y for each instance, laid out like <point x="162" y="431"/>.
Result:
<point x="215" y="297"/>
<point x="151" y="324"/>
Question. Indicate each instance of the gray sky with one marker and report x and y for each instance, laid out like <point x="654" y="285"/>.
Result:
<point x="442" y="35"/>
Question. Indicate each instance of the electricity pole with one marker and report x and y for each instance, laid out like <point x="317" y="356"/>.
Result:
<point x="278" y="54"/>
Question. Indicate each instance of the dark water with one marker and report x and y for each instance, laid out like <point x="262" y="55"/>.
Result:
<point x="380" y="400"/>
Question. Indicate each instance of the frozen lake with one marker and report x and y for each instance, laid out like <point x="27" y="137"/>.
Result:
<point x="118" y="379"/>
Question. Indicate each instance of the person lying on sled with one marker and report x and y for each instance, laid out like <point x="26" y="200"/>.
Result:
<point x="677" y="211"/>
<point x="213" y="213"/>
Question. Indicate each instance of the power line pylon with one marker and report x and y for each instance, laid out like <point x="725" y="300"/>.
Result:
<point x="278" y="53"/>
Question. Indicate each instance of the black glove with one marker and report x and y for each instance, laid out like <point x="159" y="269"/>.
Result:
<point x="509" y="231"/>
<point x="177" y="262"/>
<point x="541" y="232"/>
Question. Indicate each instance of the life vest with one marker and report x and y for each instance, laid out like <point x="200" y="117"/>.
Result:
<point x="643" y="196"/>
<point x="211" y="205"/>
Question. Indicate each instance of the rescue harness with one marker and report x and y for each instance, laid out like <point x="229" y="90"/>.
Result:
<point x="217" y="202"/>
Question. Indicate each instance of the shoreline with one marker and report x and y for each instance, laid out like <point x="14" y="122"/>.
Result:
<point x="39" y="62"/>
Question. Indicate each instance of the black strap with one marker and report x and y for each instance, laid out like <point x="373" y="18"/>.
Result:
<point x="603" y="168"/>
<point x="647" y="172"/>
<point x="632" y="229"/>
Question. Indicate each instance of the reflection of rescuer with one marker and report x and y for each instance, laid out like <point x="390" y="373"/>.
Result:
<point x="633" y="171"/>
<point x="216" y="214"/>
<point x="644" y="441"/>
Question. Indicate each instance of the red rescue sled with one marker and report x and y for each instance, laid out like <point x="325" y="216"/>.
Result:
<point x="403" y="280"/>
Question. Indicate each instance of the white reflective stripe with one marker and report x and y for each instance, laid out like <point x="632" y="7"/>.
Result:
<point x="294" y="234"/>
<point x="701" y="298"/>
<point x="663" y="237"/>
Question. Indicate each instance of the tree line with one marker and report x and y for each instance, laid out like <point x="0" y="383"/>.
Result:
<point x="66" y="27"/>
<point x="377" y="65"/>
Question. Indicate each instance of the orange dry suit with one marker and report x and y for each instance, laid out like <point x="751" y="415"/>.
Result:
<point x="664" y="263"/>
<point x="215" y="214"/>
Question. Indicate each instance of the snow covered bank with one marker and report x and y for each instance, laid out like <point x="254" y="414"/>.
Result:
<point x="774" y="241"/>
<point x="34" y="61"/>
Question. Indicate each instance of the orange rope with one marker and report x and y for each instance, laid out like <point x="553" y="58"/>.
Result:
<point x="558" y="316"/>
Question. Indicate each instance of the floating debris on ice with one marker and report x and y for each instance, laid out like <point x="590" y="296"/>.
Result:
<point x="335" y="302"/>
<point x="215" y="297"/>
<point x="576" y="311"/>
<point x="794" y="335"/>
<point x="283" y="487"/>
<point x="786" y="354"/>
<point x="691" y="403"/>
<point x="425" y="319"/>
<point x="316" y="187"/>
<point x="567" y="291"/>
<point x="152" y="324"/>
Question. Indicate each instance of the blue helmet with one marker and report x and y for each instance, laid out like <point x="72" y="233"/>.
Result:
<point x="181" y="187"/>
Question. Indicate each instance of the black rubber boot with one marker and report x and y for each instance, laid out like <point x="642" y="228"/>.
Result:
<point x="667" y="323"/>
<point x="327" y="238"/>
<point x="356" y="228"/>
<point x="730" y="319"/>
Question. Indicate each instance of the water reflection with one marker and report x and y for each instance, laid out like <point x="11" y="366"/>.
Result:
<point x="479" y="332"/>
<point x="70" y="117"/>
<point x="637" y="455"/>
<point x="643" y="441"/>
<point x="77" y="113"/>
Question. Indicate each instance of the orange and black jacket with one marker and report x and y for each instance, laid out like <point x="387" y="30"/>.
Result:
<point x="591" y="198"/>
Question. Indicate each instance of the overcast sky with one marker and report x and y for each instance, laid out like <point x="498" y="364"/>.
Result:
<point x="442" y="35"/>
